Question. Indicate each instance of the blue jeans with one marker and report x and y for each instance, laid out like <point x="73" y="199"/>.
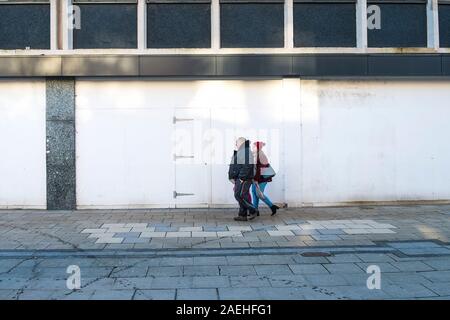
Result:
<point x="255" y="197"/>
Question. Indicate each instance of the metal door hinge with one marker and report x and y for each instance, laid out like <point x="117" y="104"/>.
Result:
<point x="176" y="157"/>
<point x="175" y="119"/>
<point x="177" y="194"/>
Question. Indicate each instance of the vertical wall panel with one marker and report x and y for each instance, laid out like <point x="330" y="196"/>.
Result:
<point x="22" y="144"/>
<point x="374" y="141"/>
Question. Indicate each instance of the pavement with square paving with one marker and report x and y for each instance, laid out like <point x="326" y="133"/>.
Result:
<point x="301" y="253"/>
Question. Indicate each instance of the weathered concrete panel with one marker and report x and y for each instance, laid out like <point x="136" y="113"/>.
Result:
<point x="330" y="65"/>
<point x="404" y="65"/>
<point x="30" y="66"/>
<point x="254" y="65"/>
<point x="100" y="66"/>
<point x="177" y="66"/>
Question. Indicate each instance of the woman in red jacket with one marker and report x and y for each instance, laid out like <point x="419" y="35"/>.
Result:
<point x="261" y="179"/>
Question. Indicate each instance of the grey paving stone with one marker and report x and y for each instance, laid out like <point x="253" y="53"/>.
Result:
<point x="268" y="270"/>
<point x="165" y="271"/>
<point x="154" y="295"/>
<point x="31" y="294"/>
<point x="343" y="268"/>
<point x="210" y="282"/>
<point x="165" y="229"/>
<point x="237" y="270"/>
<point x="347" y="257"/>
<point x="83" y="294"/>
<point x="437" y="276"/>
<point x="127" y="235"/>
<point x="325" y="237"/>
<point x="305" y="232"/>
<point x="282" y="293"/>
<point x="136" y="240"/>
<point x="234" y="244"/>
<point x="425" y="251"/>
<point x="243" y="260"/>
<point x="133" y="283"/>
<point x="440" y="288"/>
<point x="288" y="281"/>
<point x="412" y="266"/>
<point x="357" y="292"/>
<point x="276" y="259"/>
<point x="112" y="295"/>
<point x="197" y="294"/>
<point x="201" y="271"/>
<point x="413" y="244"/>
<point x="177" y="261"/>
<point x="215" y="261"/>
<point x="325" y="279"/>
<point x="249" y="281"/>
<point x="439" y="264"/>
<point x="214" y="229"/>
<point x="374" y="257"/>
<point x="407" y="290"/>
<point x="7" y="294"/>
<point x="331" y="231"/>
<point x="308" y="269"/>
<point x="384" y="267"/>
<point x="239" y="294"/>
<point x="127" y="272"/>
<point x="409" y="277"/>
<point x="172" y="282"/>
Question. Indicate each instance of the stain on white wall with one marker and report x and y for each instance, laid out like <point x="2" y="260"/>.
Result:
<point x="375" y="141"/>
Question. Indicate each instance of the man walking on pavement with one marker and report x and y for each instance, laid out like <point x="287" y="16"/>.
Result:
<point x="241" y="173"/>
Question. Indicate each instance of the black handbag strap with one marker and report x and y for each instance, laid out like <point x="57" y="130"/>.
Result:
<point x="247" y="152"/>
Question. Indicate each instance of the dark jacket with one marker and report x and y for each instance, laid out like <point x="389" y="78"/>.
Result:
<point x="242" y="165"/>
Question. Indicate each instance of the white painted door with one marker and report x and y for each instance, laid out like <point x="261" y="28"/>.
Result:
<point x="192" y="157"/>
<point x="22" y="144"/>
<point x="132" y="154"/>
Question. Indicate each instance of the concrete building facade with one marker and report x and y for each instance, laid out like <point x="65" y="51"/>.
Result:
<point x="136" y="103"/>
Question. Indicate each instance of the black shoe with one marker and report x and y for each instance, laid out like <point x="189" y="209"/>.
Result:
<point x="240" y="218"/>
<point x="252" y="215"/>
<point x="257" y="213"/>
<point x="274" y="209"/>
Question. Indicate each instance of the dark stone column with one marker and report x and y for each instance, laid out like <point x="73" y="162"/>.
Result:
<point x="61" y="182"/>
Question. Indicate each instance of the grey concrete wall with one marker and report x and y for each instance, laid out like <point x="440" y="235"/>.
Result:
<point x="61" y="182"/>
